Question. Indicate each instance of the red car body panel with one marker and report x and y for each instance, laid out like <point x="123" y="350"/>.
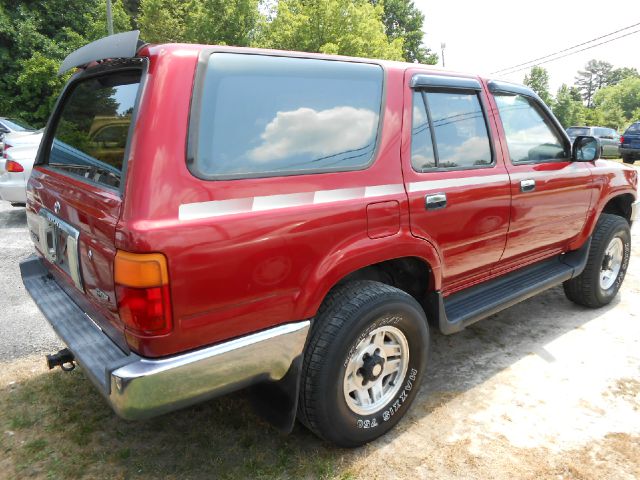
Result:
<point x="236" y="274"/>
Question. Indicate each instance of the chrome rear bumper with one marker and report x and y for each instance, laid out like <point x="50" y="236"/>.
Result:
<point x="146" y="388"/>
<point x="138" y="387"/>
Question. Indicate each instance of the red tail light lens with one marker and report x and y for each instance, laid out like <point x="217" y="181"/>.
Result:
<point x="143" y="294"/>
<point x="145" y="311"/>
<point x="12" y="166"/>
<point x="621" y="138"/>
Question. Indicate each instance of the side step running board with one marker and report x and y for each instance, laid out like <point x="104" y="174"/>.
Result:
<point x="461" y="309"/>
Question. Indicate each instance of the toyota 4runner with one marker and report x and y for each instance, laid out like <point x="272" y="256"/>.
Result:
<point x="208" y="219"/>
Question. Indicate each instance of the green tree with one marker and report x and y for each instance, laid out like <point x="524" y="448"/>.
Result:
<point x="538" y="80"/>
<point x="222" y="21"/>
<point x="34" y="38"/>
<point x="619" y="104"/>
<point x="344" y="27"/>
<point x="568" y="109"/>
<point x="403" y="20"/>
<point x="596" y="74"/>
<point x="619" y="74"/>
<point x="162" y="21"/>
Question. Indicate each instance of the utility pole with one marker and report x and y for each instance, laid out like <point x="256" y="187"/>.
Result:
<point x="109" y="18"/>
<point x="442" y="47"/>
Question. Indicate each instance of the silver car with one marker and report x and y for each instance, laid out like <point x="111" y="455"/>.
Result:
<point x="609" y="139"/>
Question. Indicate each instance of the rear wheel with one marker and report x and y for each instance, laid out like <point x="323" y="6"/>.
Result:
<point x="606" y="266"/>
<point x="364" y="362"/>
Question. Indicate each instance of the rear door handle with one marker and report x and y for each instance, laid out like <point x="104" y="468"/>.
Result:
<point x="435" y="201"/>
<point x="528" y="185"/>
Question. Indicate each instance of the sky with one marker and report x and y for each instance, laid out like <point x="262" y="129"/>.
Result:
<point x="484" y="36"/>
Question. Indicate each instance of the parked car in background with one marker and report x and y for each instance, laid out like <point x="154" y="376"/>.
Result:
<point x="609" y="139"/>
<point x="630" y="143"/>
<point x="15" y="165"/>
<point x="13" y="126"/>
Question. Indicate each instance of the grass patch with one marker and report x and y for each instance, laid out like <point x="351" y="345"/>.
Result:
<point x="57" y="426"/>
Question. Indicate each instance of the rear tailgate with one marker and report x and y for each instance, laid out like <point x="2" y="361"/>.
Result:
<point x="74" y="194"/>
<point x="631" y="138"/>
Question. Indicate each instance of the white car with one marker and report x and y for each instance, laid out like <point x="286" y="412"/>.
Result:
<point x="18" y="155"/>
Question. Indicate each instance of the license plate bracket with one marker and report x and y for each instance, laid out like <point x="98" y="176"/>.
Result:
<point x="58" y="242"/>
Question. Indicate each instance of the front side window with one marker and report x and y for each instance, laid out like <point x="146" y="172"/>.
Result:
<point x="530" y="136"/>
<point x="262" y="116"/>
<point x="457" y="126"/>
<point x="92" y="130"/>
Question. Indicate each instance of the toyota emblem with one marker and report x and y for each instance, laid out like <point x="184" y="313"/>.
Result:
<point x="56" y="207"/>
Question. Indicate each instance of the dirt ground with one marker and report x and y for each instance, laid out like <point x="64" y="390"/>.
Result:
<point x="545" y="389"/>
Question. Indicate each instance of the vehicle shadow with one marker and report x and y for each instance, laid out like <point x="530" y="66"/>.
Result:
<point x="62" y="427"/>
<point x="14" y="218"/>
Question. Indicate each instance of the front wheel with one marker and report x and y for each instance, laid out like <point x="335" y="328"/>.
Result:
<point x="364" y="362"/>
<point x="606" y="266"/>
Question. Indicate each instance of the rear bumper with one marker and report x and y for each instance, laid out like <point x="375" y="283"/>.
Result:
<point x="630" y="152"/>
<point x="13" y="187"/>
<point x="138" y="387"/>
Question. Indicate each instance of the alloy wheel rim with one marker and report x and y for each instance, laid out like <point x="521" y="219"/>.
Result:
<point x="611" y="263"/>
<point x="375" y="372"/>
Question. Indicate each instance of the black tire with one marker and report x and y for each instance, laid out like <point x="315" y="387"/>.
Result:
<point x="347" y="316"/>
<point x="628" y="160"/>
<point x="586" y="288"/>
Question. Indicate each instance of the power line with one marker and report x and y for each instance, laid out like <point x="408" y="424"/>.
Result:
<point x="567" y="49"/>
<point x="571" y="53"/>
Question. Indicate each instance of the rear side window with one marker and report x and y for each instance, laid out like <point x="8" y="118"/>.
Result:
<point x="530" y="134"/>
<point x="458" y="127"/>
<point x="635" y="128"/>
<point x="263" y="116"/>
<point x="91" y="132"/>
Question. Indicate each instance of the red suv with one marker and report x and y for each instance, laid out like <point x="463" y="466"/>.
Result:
<point x="296" y="223"/>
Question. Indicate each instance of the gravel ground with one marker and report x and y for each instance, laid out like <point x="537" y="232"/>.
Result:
<point x="23" y="329"/>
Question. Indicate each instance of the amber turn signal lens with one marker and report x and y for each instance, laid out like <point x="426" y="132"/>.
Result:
<point x="140" y="270"/>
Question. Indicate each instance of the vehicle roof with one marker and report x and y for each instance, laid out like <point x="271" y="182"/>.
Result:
<point x="176" y="48"/>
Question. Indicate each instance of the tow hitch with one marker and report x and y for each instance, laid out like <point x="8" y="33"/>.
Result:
<point x="64" y="359"/>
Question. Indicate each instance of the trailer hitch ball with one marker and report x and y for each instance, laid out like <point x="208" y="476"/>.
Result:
<point x="63" y="359"/>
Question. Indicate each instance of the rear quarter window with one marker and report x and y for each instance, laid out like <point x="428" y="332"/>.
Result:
<point x="264" y="116"/>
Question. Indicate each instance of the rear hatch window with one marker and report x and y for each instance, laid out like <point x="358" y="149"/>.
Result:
<point x="574" y="132"/>
<point x="633" y="129"/>
<point x="91" y="132"/>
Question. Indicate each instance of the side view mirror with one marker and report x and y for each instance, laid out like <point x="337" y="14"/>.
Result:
<point x="585" y="149"/>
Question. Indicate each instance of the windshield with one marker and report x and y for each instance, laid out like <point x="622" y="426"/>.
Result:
<point x="17" y="125"/>
<point x="92" y="130"/>
<point x="575" y="131"/>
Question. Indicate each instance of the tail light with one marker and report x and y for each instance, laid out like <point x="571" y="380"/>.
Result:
<point x="621" y="138"/>
<point x="142" y="292"/>
<point x="12" y="166"/>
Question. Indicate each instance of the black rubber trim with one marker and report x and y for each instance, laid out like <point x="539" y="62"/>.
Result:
<point x="92" y="349"/>
<point x="464" y="308"/>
